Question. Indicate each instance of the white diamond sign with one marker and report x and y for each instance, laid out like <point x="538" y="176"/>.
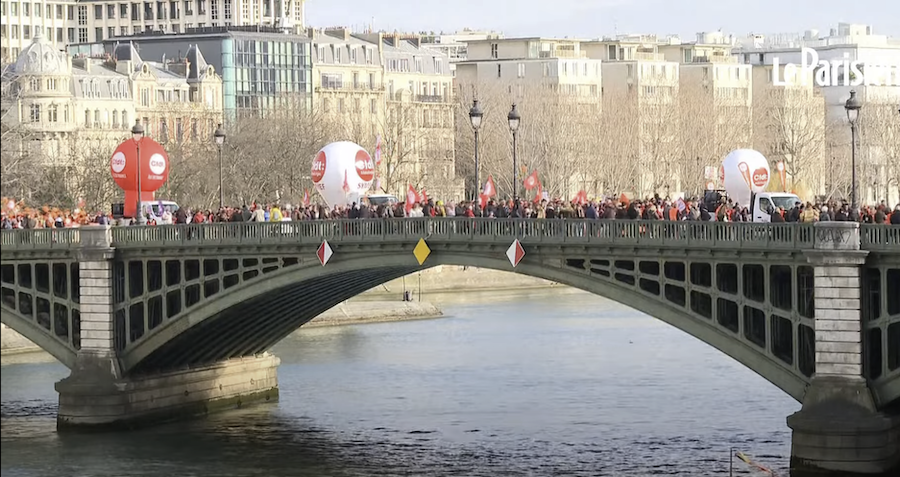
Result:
<point x="515" y="253"/>
<point x="324" y="252"/>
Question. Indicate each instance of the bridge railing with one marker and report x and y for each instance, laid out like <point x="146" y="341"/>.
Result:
<point x="879" y="237"/>
<point x="40" y="239"/>
<point x="612" y="232"/>
<point x="666" y="234"/>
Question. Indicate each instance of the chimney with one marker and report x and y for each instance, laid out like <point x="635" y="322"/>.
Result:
<point x="346" y="34"/>
<point x="311" y="33"/>
<point x="396" y="38"/>
<point x="125" y="67"/>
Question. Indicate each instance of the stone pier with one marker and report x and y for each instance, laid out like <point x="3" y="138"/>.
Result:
<point x="98" y="395"/>
<point x="838" y="430"/>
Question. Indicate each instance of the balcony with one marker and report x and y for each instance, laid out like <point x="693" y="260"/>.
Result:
<point x="430" y="98"/>
<point x="716" y="59"/>
<point x="562" y="54"/>
<point x="350" y="88"/>
<point x="648" y="56"/>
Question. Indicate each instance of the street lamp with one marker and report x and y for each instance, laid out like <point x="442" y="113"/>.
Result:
<point x="514" y="119"/>
<point x="853" y="105"/>
<point x="220" y="140"/>
<point x="138" y="133"/>
<point x="475" y="115"/>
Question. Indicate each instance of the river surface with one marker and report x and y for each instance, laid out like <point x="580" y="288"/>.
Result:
<point x="567" y="385"/>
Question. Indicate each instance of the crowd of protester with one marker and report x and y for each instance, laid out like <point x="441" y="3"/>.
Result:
<point x="655" y="208"/>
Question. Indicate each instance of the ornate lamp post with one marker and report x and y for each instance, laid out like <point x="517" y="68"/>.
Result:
<point x="853" y="105"/>
<point x="514" y="119"/>
<point x="475" y="115"/>
<point x="138" y="133"/>
<point x="220" y="141"/>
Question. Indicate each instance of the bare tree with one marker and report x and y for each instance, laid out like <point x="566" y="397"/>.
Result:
<point x="402" y="137"/>
<point x="790" y="127"/>
<point x="880" y="131"/>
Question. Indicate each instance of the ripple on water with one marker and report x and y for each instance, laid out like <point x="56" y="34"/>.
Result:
<point x="571" y="387"/>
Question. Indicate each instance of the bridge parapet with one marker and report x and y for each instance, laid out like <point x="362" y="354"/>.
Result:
<point x="656" y="234"/>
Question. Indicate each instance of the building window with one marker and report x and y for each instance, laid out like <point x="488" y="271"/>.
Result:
<point x="495" y="50"/>
<point x="53" y="113"/>
<point x="418" y="64"/>
<point x="179" y="129"/>
<point x="337" y="54"/>
<point x="115" y="119"/>
<point x="35" y="84"/>
<point x="371" y="80"/>
<point x="438" y="66"/>
<point x="123" y="11"/>
<point x="87" y="118"/>
<point x="353" y="58"/>
<point x="546" y="70"/>
<point x="373" y="106"/>
<point x="35" y="111"/>
<point x="499" y="72"/>
<point x="97" y="118"/>
<point x="82" y="14"/>
<point x="111" y="11"/>
<point x="521" y="70"/>
<point x="332" y="81"/>
<point x="125" y="119"/>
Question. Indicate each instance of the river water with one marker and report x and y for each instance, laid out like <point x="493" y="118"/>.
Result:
<point x="566" y="385"/>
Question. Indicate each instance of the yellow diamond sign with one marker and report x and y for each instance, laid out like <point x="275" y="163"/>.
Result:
<point x="421" y="251"/>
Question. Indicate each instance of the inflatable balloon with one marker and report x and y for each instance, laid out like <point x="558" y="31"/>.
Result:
<point x="746" y="171"/>
<point x="124" y="169"/>
<point x="342" y="172"/>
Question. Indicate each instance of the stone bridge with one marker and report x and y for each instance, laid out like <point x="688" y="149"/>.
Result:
<point x="157" y="322"/>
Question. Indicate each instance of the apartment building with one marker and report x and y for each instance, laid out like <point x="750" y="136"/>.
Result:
<point x="21" y="20"/>
<point x="878" y="58"/>
<point x="419" y="98"/>
<point x="261" y="68"/>
<point x="454" y="45"/>
<point x="520" y="64"/>
<point x="63" y="98"/>
<point x="68" y="22"/>
<point x="347" y="76"/>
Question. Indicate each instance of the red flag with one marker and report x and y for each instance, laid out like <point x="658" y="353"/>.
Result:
<point x="411" y="197"/>
<point x="306" y="198"/>
<point x="531" y="181"/>
<point x="483" y="200"/>
<point x="423" y="196"/>
<point x="540" y="193"/>
<point x="378" y="150"/>
<point x="490" y="189"/>
<point x="346" y="183"/>
<point x="581" y="198"/>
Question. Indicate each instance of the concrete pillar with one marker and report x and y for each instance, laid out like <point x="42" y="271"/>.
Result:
<point x="98" y="394"/>
<point x="839" y="428"/>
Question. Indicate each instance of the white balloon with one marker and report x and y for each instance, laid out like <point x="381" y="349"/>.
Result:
<point x="746" y="171"/>
<point x="342" y="172"/>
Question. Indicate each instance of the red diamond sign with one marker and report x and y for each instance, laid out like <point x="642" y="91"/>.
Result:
<point x="515" y="253"/>
<point x="324" y="252"/>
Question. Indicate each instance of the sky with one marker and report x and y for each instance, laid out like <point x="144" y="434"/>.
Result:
<point x="598" y="18"/>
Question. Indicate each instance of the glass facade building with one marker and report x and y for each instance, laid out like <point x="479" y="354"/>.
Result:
<point x="261" y="69"/>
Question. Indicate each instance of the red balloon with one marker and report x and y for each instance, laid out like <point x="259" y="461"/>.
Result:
<point x="154" y="165"/>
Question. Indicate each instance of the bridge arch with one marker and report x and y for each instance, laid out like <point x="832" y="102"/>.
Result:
<point x="28" y="328"/>
<point x="284" y="300"/>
